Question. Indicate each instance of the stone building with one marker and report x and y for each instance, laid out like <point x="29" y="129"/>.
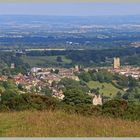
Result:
<point x="116" y="63"/>
<point x="97" y="100"/>
<point x="12" y="66"/>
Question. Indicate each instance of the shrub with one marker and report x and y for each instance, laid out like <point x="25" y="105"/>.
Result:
<point x="121" y="108"/>
<point x="29" y="101"/>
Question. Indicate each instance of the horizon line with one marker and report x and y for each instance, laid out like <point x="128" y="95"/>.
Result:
<point x="69" y="15"/>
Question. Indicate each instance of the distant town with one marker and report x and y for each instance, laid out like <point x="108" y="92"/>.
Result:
<point x="37" y="77"/>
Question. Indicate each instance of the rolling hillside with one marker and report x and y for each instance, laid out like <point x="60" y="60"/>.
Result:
<point x="107" y="90"/>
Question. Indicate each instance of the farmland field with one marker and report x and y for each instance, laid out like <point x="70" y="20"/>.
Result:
<point x="108" y="89"/>
<point x="42" y="60"/>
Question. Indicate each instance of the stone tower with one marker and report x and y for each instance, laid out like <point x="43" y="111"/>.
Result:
<point x="116" y="63"/>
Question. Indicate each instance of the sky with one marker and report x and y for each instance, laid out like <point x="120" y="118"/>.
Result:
<point x="70" y="9"/>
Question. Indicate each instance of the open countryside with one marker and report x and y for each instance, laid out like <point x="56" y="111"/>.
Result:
<point x="43" y="60"/>
<point x="70" y="69"/>
<point x="106" y="89"/>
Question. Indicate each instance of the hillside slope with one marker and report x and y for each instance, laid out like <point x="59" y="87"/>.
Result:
<point x="60" y="124"/>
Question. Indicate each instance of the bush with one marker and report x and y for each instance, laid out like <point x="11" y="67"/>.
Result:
<point x="8" y="94"/>
<point x="4" y="108"/>
<point x="29" y="101"/>
<point x="76" y="96"/>
<point x="122" y="109"/>
<point x="75" y="102"/>
<point x="115" y="107"/>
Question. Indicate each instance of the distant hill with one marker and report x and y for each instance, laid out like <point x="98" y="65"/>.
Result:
<point x="82" y="20"/>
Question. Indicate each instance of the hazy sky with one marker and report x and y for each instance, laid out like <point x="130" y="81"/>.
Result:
<point x="80" y="9"/>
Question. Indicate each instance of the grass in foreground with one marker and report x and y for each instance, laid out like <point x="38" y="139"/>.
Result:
<point x="60" y="124"/>
<point x="108" y="89"/>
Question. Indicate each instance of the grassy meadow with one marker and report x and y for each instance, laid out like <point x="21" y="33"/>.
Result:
<point x="42" y="60"/>
<point x="60" y="124"/>
<point x="108" y="89"/>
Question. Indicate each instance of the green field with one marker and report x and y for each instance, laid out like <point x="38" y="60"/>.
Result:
<point x="108" y="89"/>
<point x="42" y="60"/>
<point x="60" y="124"/>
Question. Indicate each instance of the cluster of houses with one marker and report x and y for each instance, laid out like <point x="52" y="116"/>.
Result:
<point x="127" y="71"/>
<point x="38" y="78"/>
<point x="3" y="78"/>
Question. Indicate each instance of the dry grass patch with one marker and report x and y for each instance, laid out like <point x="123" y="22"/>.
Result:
<point x="60" y="124"/>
